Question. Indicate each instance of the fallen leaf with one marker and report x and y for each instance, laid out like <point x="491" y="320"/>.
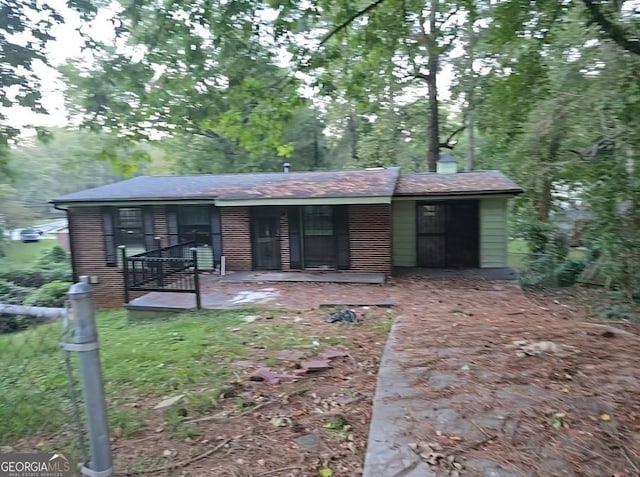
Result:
<point x="455" y="438"/>
<point x="298" y="412"/>
<point x="605" y="417"/>
<point x="326" y="472"/>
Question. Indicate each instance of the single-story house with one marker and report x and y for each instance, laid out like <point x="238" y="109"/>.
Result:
<point x="369" y="220"/>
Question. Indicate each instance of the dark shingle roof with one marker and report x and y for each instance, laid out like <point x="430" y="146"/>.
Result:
<point x="460" y="183"/>
<point x="360" y="183"/>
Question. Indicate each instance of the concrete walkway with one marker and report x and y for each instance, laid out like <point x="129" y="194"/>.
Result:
<point x="388" y="452"/>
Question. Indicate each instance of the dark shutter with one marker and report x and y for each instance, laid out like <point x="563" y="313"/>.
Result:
<point x="295" y="238"/>
<point x="172" y="224"/>
<point x="341" y="229"/>
<point x="216" y="234"/>
<point x="109" y="239"/>
<point x="147" y="222"/>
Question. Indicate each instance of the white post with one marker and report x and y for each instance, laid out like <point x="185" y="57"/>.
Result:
<point x="223" y="266"/>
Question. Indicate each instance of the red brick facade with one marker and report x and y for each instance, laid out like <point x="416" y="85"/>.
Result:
<point x="236" y="238"/>
<point x="369" y="238"/>
<point x="88" y="255"/>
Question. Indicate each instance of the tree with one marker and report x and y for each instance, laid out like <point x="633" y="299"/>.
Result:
<point x="25" y="27"/>
<point x="385" y="44"/>
<point x="192" y="69"/>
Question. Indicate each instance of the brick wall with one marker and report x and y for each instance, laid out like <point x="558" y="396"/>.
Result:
<point x="89" y="256"/>
<point x="86" y="232"/>
<point x="370" y="238"/>
<point x="236" y="238"/>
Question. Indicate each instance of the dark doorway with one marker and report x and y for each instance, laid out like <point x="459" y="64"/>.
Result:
<point x="265" y="234"/>
<point x="447" y="234"/>
<point x="319" y="237"/>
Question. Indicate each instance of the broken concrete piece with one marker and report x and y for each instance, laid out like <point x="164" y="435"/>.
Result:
<point x="315" y="365"/>
<point x="332" y="354"/>
<point x="310" y="442"/>
<point x="270" y="376"/>
<point x="169" y="402"/>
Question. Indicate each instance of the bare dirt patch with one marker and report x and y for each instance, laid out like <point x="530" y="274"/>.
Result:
<point x="293" y="428"/>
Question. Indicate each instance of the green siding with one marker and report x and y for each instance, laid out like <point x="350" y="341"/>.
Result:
<point x="404" y="233"/>
<point x="493" y="233"/>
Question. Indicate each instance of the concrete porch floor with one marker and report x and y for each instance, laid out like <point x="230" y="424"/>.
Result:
<point x="319" y="276"/>
<point x="242" y="289"/>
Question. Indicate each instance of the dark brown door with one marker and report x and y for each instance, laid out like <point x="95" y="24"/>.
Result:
<point x="447" y="234"/>
<point x="462" y="235"/>
<point x="265" y="234"/>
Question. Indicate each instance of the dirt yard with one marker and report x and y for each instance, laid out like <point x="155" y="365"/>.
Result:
<point x="518" y="383"/>
<point x="509" y="383"/>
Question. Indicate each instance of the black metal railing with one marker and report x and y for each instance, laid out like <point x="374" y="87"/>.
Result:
<point x="163" y="269"/>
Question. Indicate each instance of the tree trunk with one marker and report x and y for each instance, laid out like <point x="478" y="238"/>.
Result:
<point x="353" y="136"/>
<point x="471" y="146"/>
<point x="433" y="154"/>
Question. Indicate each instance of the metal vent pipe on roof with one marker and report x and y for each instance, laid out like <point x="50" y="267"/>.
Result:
<point x="285" y="167"/>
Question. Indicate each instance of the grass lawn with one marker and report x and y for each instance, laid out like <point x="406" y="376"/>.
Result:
<point x="187" y="355"/>
<point x="19" y="255"/>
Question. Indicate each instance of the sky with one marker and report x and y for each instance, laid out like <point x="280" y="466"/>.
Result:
<point x="67" y="45"/>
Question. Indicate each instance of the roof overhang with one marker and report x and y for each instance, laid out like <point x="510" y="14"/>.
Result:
<point x="282" y="201"/>
<point x="459" y="195"/>
<point x="131" y="202"/>
<point x="303" y="201"/>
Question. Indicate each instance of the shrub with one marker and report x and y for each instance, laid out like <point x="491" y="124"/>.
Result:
<point x="539" y="273"/>
<point x="36" y="277"/>
<point x="53" y="294"/>
<point x="54" y="255"/>
<point x="568" y="271"/>
<point x="12" y="294"/>
<point x="26" y="277"/>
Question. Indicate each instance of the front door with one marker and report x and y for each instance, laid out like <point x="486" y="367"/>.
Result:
<point x="265" y="234"/>
<point x="447" y="234"/>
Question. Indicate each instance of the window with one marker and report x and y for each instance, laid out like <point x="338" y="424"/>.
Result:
<point x="194" y="223"/>
<point x="124" y="226"/>
<point x="129" y="227"/>
<point x="318" y="220"/>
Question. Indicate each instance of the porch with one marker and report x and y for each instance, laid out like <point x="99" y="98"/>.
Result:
<point x="247" y="289"/>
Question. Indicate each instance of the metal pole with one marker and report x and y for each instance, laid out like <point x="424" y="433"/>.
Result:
<point x="125" y="272"/>
<point x="196" y="276"/>
<point x="85" y="341"/>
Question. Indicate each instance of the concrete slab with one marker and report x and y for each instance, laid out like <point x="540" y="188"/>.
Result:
<point x="469" y="273"/>
<point x="388" y="453"/>
<point x="306" y="276"/>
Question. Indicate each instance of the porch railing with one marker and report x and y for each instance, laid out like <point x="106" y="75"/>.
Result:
<point x="163" y="269"/>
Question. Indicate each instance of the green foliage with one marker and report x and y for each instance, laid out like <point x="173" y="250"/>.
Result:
<point x="52" y="294"/>
<point x="12" y="294"/>
<point x="35" y="277"/>
<point x="568" y="271"/>
<point x="53" y="256"/>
